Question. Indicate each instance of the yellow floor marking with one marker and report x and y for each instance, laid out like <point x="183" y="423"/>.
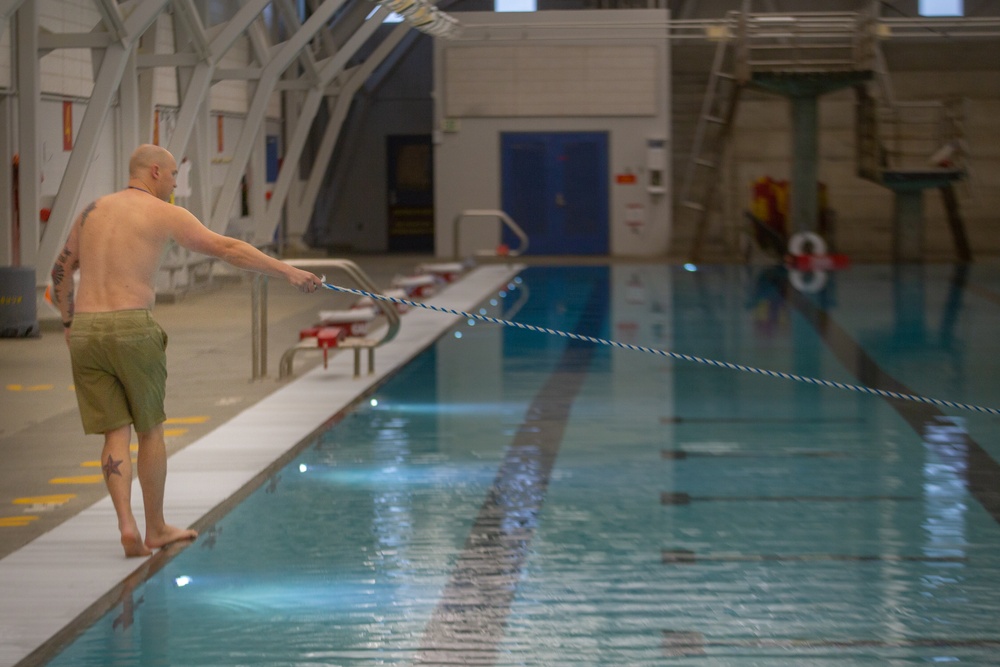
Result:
<point x="31" y="387"/>
<point x="79" y="479"/>
<point x="16" y="521"/>
<point x="174" y="432"/>
<point x="57" y="499"/>
<point x="187" y="420"/>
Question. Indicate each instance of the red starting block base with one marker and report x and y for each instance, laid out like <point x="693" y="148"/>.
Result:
<point x="326" y="337"/>
<point x="817" y="262"/>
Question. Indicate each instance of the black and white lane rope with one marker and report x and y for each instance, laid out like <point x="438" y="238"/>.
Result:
<point x="673" y="355"/>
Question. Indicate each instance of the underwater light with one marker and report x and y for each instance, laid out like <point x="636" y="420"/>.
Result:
<point x="303" y="467"/>
<point x="373" y="402"/>
<point x="458" y="334"/>
<point x="690" y="267"/>
<point x="182" y="581"/>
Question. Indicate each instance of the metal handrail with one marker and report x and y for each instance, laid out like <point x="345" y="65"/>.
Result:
<point x="490" y="213"/>
<point x="259" y="306"/>
<point x="804" y="42"/>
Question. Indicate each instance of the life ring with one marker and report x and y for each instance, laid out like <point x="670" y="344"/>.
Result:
<point x="807" y="282"/>
<point x="796" y="244"/>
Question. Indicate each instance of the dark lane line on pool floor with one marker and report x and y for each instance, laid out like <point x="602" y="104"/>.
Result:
<point x="469" y="621"/>
<point x="981" y="471"/>
<point x="981" y="476"/>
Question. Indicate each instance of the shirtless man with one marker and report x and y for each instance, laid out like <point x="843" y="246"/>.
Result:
<point x="117" y="349"/>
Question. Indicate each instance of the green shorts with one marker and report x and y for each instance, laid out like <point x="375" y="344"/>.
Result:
<point x="119" y="369"/>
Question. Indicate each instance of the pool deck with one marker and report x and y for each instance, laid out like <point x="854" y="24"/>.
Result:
<point x="59" y="549"/>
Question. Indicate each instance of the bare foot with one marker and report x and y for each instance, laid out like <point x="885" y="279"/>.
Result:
<point x="133" y="545"/>
<point x="168" y="535"/>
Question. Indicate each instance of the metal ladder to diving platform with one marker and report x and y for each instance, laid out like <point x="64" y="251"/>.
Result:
<point x="909" y="147"/>
<point x="800" y="56"/>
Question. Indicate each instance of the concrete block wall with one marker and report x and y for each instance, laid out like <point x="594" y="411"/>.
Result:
<point x="761" y="146"/>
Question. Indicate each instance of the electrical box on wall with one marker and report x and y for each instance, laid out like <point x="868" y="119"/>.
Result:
<point x="656" y="166"/>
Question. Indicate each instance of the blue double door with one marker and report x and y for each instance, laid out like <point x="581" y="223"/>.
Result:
<point x="555" y="186"/>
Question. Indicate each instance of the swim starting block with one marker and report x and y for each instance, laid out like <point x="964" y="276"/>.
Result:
<point x="355" y="320"/>
<point x="444" y="271"/>
<point x="369" y="302"/>
<point x="416" y="286"/>
<point x="322" y="337"/>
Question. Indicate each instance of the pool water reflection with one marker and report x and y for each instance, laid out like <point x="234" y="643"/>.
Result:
<point x="514" y="498"/>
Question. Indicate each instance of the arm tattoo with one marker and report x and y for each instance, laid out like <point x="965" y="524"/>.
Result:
<point x="59" y="270"/>
<point x="59" y="273"/>
<point x="90" y="207"/>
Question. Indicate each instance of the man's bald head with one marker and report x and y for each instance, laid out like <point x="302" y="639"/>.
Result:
<point x="154" y="169"/>
<point x="147" y="156"/>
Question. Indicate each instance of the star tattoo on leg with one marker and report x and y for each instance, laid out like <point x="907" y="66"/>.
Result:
<point x="111" y="468"/>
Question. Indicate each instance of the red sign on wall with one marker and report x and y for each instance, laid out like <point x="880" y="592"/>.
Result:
<point x="219" y="133"/>
<point x="67" y="126"/>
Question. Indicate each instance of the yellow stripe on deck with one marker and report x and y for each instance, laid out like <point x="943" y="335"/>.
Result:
<point x="56" y="499"/>
<point x="80" y="479"/>
<point x="16" y="521"/>
<point x="187" y="420"/>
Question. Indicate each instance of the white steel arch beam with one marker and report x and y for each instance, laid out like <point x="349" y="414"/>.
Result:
<point x="342" y="105"/>
<point x="266" y="225"/>
<point x="187" y="14"/>
<point x="196" y="91"/>
<point x="8" y="253"/>
<point x="306" y="57"/>
<point x="106" y="84"/>
<point x="8" y="7"/>
<point x="111" y="17"/>
<point x="193" y="84"/>
<point x="28" y="100"/>
<point x="270" y="75"/>
<point x="327" y="44"/>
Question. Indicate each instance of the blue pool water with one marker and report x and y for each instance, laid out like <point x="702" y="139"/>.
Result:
<point x="515" y="498"/>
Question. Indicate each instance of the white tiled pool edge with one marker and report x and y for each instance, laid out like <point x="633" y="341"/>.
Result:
<point x="52" y="580"/>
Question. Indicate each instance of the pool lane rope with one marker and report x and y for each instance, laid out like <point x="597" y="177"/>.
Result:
<point x="672" y="355"/>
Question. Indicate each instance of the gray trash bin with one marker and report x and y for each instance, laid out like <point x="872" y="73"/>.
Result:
<point x="18" y="310"/>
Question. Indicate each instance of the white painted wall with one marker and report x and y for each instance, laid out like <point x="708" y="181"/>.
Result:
<point x="467" y="156"/>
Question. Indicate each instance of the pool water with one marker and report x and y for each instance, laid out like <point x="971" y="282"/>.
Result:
<point x="517" y="498"/>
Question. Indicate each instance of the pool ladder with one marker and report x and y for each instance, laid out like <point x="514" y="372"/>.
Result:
<point x="505" y="219"/>
<point x="258" y="334"/>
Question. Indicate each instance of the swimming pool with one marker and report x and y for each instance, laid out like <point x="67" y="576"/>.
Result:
<point x="514" y="498"/>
